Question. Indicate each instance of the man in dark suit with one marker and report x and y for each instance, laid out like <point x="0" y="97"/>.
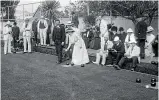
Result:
<point x="141" y="28"/>
<point x="34" y="28"/>
<point x="75" y="19"/>
<point x="15" y="31"/>
<point x="113" y="33"/>
<point x="117" y="52"/>
<point x="58" y="38"/>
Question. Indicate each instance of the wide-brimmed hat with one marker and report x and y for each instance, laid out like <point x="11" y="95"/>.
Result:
<point x="69" y="23"/>
<point x="129" y="30"/>
<point x="116" y="38"/>
<point x="132" y="41"/>
<point x="69" y="30"/>
<point x="150" y="29"/>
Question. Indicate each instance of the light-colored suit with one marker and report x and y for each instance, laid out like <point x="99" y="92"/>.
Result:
<point x="42" y="32"/>
<point x="133" y="52"/>
<point x="27" y="31"/>
<point x="7" y="39"/>
<point x="103" y="52"/>
<point x="103" y="30"/>
<point x="132" y="37"/>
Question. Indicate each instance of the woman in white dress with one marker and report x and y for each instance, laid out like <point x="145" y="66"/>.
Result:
<point x="79" y="55"/>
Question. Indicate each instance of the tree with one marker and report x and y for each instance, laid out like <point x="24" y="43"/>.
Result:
<point x="49" y="9"/>
<point x="8" y="8"/>
<point x="136" y="9"/>
<point x="79" y="7"/>
<point x="127" y="9"/>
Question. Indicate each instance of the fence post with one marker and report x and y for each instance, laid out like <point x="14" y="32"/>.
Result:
<point x="23" y="12"/>
<point x="8" y="13"/>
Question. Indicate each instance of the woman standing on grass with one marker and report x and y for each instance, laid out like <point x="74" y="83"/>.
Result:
<point x="79" y="55"/>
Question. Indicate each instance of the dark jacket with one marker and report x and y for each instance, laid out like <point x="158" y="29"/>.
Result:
<point x="119" y="48"/>
<point x="16" y="31"/>
<point x="112" y="36"/>
<point x="75" y="20"/>
<point x="34" y="26"/>
<point x="58" y="34"/>
<point x="140" y="31"/>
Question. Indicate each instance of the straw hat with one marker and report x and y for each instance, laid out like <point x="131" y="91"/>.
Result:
<point x="69" y="30"/>
<point x="69" y="23"/>
<point x="129" y="30"/>
<point x="132" y="41"/>
<point x="150" y="29"/>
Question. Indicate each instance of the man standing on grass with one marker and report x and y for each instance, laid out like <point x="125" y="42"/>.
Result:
<point x="27" y="31"/>
<point x="42" y="27"/>
<point x="140" y="34"/>
<point x="58" y="38"/>
<point x="16" y="31"/>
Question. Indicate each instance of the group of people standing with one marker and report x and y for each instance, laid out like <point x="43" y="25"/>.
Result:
<point x="115" y="48"/>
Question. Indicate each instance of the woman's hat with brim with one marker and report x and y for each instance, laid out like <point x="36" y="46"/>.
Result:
<point x="132" y="41"/>
<point x="150" y="29"/>
<point x="69" y="30"/>
<point x="129" y="30"/>
<point x="69" y="23"/>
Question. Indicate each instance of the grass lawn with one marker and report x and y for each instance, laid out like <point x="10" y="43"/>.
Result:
<point x="36" y="76"/>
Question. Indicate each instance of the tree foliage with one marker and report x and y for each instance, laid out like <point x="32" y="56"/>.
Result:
<point x="49" y="9"/>
<point x="79" y="7"/>
<point x="8" y="8"/>
<point x="128" y="9"/>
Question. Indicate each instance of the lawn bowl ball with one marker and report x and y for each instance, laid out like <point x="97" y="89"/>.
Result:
<point x="153" y="84"/>
<point x="153" y="79"/>
<point x="82" y="65"/>
<point x="72" y="64"/>
<point x="147" y="86"/>
<point x="138" y="80"/>
<point x="67" y="63"/>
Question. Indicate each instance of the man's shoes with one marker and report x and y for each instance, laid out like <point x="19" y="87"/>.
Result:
<point x="132" y="69"/>
<point x="116" y="67"/>
<point x="95" y="63"/>
<point x="102" y="65"/>
<point x="109" y="65"/>
<point x="154" y="62"/>
<point x="24" y="52"/>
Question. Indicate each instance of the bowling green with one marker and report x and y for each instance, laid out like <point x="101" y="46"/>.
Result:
<point x="36" y="76"/>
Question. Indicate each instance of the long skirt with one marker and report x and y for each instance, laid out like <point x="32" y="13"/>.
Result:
<point x="80" y="54"/>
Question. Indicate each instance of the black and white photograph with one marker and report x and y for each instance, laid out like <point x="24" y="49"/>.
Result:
<point x="79" y="49"/>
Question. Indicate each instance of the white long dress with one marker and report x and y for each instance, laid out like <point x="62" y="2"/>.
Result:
<point x="80" y="54"/>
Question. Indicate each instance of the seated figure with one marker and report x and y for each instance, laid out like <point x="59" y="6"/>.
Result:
<point x="130" y="35"/>
<point x="103" y="52"/>
<point x="131" y="55"/>
<point x="116" y="53"/>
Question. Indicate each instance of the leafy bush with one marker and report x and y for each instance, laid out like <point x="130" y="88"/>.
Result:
<point x="90" y="20"/>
